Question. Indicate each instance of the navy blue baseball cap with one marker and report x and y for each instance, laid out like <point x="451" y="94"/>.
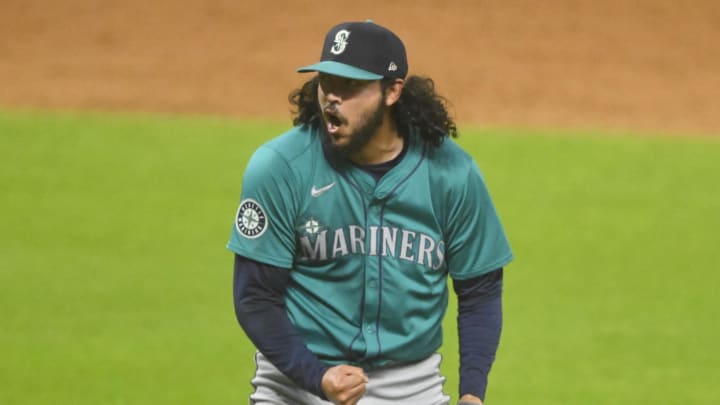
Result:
<point x="363" y="51"/>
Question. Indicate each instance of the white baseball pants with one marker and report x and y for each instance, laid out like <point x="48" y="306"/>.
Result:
<point x="412" y="384"/>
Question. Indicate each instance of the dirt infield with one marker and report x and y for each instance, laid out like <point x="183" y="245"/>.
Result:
<point x="648" y="65"/>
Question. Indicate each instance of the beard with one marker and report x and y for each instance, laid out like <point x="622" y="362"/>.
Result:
<point x="369" y="124"/>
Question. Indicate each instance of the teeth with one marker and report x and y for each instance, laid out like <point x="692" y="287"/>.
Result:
<point x="331" y="128"/>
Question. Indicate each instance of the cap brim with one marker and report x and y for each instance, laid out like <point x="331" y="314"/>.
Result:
<point x="340" y="69"/>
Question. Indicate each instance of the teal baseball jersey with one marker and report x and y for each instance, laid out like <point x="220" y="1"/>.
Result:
<point x="369" y="261"/>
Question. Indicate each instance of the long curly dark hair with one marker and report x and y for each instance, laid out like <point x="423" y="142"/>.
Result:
<point x="419" y="108"/>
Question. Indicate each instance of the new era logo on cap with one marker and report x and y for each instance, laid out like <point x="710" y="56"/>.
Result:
<point x="361" y="50"/>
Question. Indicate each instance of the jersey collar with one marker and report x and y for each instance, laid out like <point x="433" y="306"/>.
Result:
<point x="393" y="179"/>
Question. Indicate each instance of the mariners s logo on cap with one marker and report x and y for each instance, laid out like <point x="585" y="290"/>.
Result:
<point x="251" y="221"/>
<point x="341" y="41"/>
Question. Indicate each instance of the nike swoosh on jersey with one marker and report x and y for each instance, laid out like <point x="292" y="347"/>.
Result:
<point x="317" y="192"/>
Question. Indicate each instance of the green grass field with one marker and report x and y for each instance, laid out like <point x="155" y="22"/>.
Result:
<point x="115" y="285"/>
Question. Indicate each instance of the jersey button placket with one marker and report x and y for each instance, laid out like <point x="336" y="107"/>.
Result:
<point x="372" y="292"/>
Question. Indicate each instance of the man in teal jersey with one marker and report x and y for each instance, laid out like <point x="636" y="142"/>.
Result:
<point x="348" y="227"/>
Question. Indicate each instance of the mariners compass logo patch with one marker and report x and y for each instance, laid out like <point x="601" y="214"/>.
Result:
<point x="251" y="220"/>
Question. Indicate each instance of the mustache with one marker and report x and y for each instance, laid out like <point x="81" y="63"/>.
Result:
<point x="330" y="110"/>
<point x="329" y="107"/>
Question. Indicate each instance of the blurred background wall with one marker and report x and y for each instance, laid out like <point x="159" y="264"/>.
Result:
<point x="644" y="65"/>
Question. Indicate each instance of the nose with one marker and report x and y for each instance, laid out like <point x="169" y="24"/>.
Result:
<point x="330" y="94"/>
<point x="332" y="97"/>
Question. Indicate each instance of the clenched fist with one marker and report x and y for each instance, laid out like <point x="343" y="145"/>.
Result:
<point x="344" y="385"/>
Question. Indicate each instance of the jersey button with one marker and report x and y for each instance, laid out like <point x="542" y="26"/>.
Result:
<point x="373" y="284"/>
<point x="370" y="329"/>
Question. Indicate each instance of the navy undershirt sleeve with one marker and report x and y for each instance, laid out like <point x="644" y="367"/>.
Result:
<point x="258" y="292"/>
<point x="479" y="327"/>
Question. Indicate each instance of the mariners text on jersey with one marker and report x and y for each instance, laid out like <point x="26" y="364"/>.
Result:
<point x="321" y="245"/>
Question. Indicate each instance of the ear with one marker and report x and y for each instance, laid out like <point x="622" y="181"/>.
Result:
<point x="393" y="92"/>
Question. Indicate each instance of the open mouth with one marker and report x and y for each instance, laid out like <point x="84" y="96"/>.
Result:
<point x="333" y="121"/>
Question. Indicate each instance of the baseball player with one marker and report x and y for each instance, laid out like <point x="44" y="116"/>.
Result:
<point x="348" y="227"/>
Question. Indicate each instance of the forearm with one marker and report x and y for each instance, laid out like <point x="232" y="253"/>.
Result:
<point x="259" y="308"/>
<point x="479" y="328"/>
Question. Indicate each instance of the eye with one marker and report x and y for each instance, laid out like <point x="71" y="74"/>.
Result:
<point x="354" y="83"/>
<point x="341" y="86"/>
